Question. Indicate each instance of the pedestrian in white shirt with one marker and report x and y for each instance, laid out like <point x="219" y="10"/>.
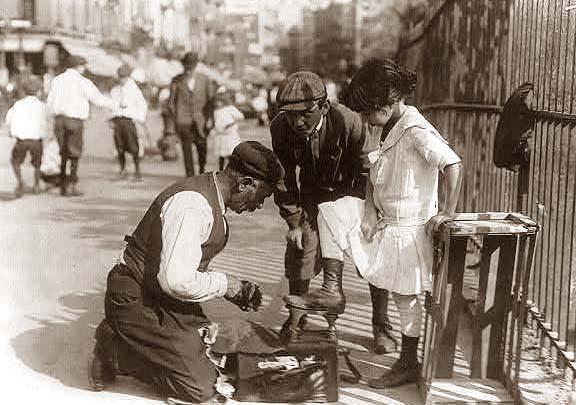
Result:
<point x="26" y="121"/>
<point x="132" y="109"/>
<point x="226" y="118"/>
<point x="69" y="100"/>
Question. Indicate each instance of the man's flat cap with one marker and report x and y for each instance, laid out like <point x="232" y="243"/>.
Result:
<point x="300" y="91"/>
<point x="76" y="60"/>
<point x="253" y="159"/>
<point x="124" y="71"/>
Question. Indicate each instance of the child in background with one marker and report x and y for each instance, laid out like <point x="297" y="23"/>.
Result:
<point x="27" y="122"/>
<point x="133" y="108"/>
<point x="226" y="117"/>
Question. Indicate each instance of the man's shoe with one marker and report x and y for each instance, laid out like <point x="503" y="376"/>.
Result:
<point x="401" y="373"/>
<point x="137" y="177"/>
<point x="18" y="191"/>
<point x="384" y="342"/>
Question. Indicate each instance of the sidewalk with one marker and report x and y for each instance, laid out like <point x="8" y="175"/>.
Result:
<point x="55" y="254"/>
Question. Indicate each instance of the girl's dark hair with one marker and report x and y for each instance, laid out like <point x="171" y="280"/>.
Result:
<point x="378" y="83"/>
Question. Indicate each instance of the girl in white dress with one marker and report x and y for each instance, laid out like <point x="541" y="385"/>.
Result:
<point x="226" y="118"/>
<point x="389" y="235"/>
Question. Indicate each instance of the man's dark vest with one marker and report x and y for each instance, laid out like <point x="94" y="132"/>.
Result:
<point x="142" y="252"/>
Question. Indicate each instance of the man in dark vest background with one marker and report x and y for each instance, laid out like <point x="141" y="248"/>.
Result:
<point x="153" y="294"/>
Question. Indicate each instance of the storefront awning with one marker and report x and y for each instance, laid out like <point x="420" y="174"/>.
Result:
<point x="29" y="43"/>
<point x="99" y="63"/>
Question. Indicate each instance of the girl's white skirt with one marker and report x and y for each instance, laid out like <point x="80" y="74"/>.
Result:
<point x="399" y="258"/>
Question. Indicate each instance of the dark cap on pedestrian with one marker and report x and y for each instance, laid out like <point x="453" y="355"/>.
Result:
<point x="32" y="85"/>
<point x="76" y="60"/>
<point x="300" y="91"/>
<point x="189" y="60"/>
<point x="124" y="71"/>
<point x="253" y="159"/>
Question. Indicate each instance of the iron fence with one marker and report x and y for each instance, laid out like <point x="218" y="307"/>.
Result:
<point x="470" y="55"/>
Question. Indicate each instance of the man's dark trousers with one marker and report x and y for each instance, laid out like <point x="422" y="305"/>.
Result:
<point x="151" y="345"/>
<point x="69" y="133"/>
<point x="189" y="135"/>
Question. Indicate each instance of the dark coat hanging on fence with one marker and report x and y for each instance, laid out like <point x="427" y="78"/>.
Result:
<point x="511" y="149"/>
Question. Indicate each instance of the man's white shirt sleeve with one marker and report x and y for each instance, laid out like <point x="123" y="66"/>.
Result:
<point x="186" y="224"/>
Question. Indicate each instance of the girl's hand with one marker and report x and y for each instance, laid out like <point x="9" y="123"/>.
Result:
<point x="434" y="223"/>
<point x="368" y="224"/>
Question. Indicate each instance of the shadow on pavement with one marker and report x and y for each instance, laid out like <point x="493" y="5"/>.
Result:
<point x="61" y="345"/>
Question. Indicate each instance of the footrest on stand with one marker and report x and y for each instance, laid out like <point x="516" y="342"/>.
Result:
<point x="296" y="314"/>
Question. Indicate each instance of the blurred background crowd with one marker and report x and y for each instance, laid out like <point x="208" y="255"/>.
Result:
<point x="248" y="46"/>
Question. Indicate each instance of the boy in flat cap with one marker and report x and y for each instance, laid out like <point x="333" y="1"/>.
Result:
<point x="69" y="100"/>
<point x="325" y="141"/>
<point x="132" y="108"/>
<point x="26" y="121"/>
<point x="189" y="106"/>
<point x="153" y="294"/>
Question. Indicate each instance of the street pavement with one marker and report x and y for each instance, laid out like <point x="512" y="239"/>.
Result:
<point x="55" y="254"/>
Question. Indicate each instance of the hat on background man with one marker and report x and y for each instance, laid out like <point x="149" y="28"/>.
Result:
<point x="300" y="91"/>
<point x="189" y="60"/>
<point x="251" y="158"/>
<point x="76" y="60"/>
<point x="32" y="85"/>
<point x="124" y="71"/>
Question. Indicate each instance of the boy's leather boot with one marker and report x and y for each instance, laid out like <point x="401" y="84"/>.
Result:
<point x="330" y="296"/>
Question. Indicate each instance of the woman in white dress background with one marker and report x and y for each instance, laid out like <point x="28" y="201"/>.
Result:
<point x="389" y="236"/>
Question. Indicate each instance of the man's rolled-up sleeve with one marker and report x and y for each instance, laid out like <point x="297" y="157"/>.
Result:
<point x="186" y="224"/>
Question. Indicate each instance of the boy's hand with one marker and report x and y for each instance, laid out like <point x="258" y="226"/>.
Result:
<point x="294" y="237"/>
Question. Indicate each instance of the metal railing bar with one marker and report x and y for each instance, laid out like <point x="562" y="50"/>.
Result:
<point x="560" y="246"/>
<point x="523" y="48"/>
<point x="553" y="231"/>
<point x="564" y="232"/>
<point x="572" y="237"/>
<point x="539" y="115"/>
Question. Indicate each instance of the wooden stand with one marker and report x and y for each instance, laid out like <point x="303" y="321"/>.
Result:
<point x="497" y="310"/>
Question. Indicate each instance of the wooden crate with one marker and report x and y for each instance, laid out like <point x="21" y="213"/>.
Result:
<point x="508" y="241"/>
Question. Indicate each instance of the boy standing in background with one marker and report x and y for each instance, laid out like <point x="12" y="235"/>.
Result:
<point x="26" y="121"/>
<point x="133" y="107"/>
